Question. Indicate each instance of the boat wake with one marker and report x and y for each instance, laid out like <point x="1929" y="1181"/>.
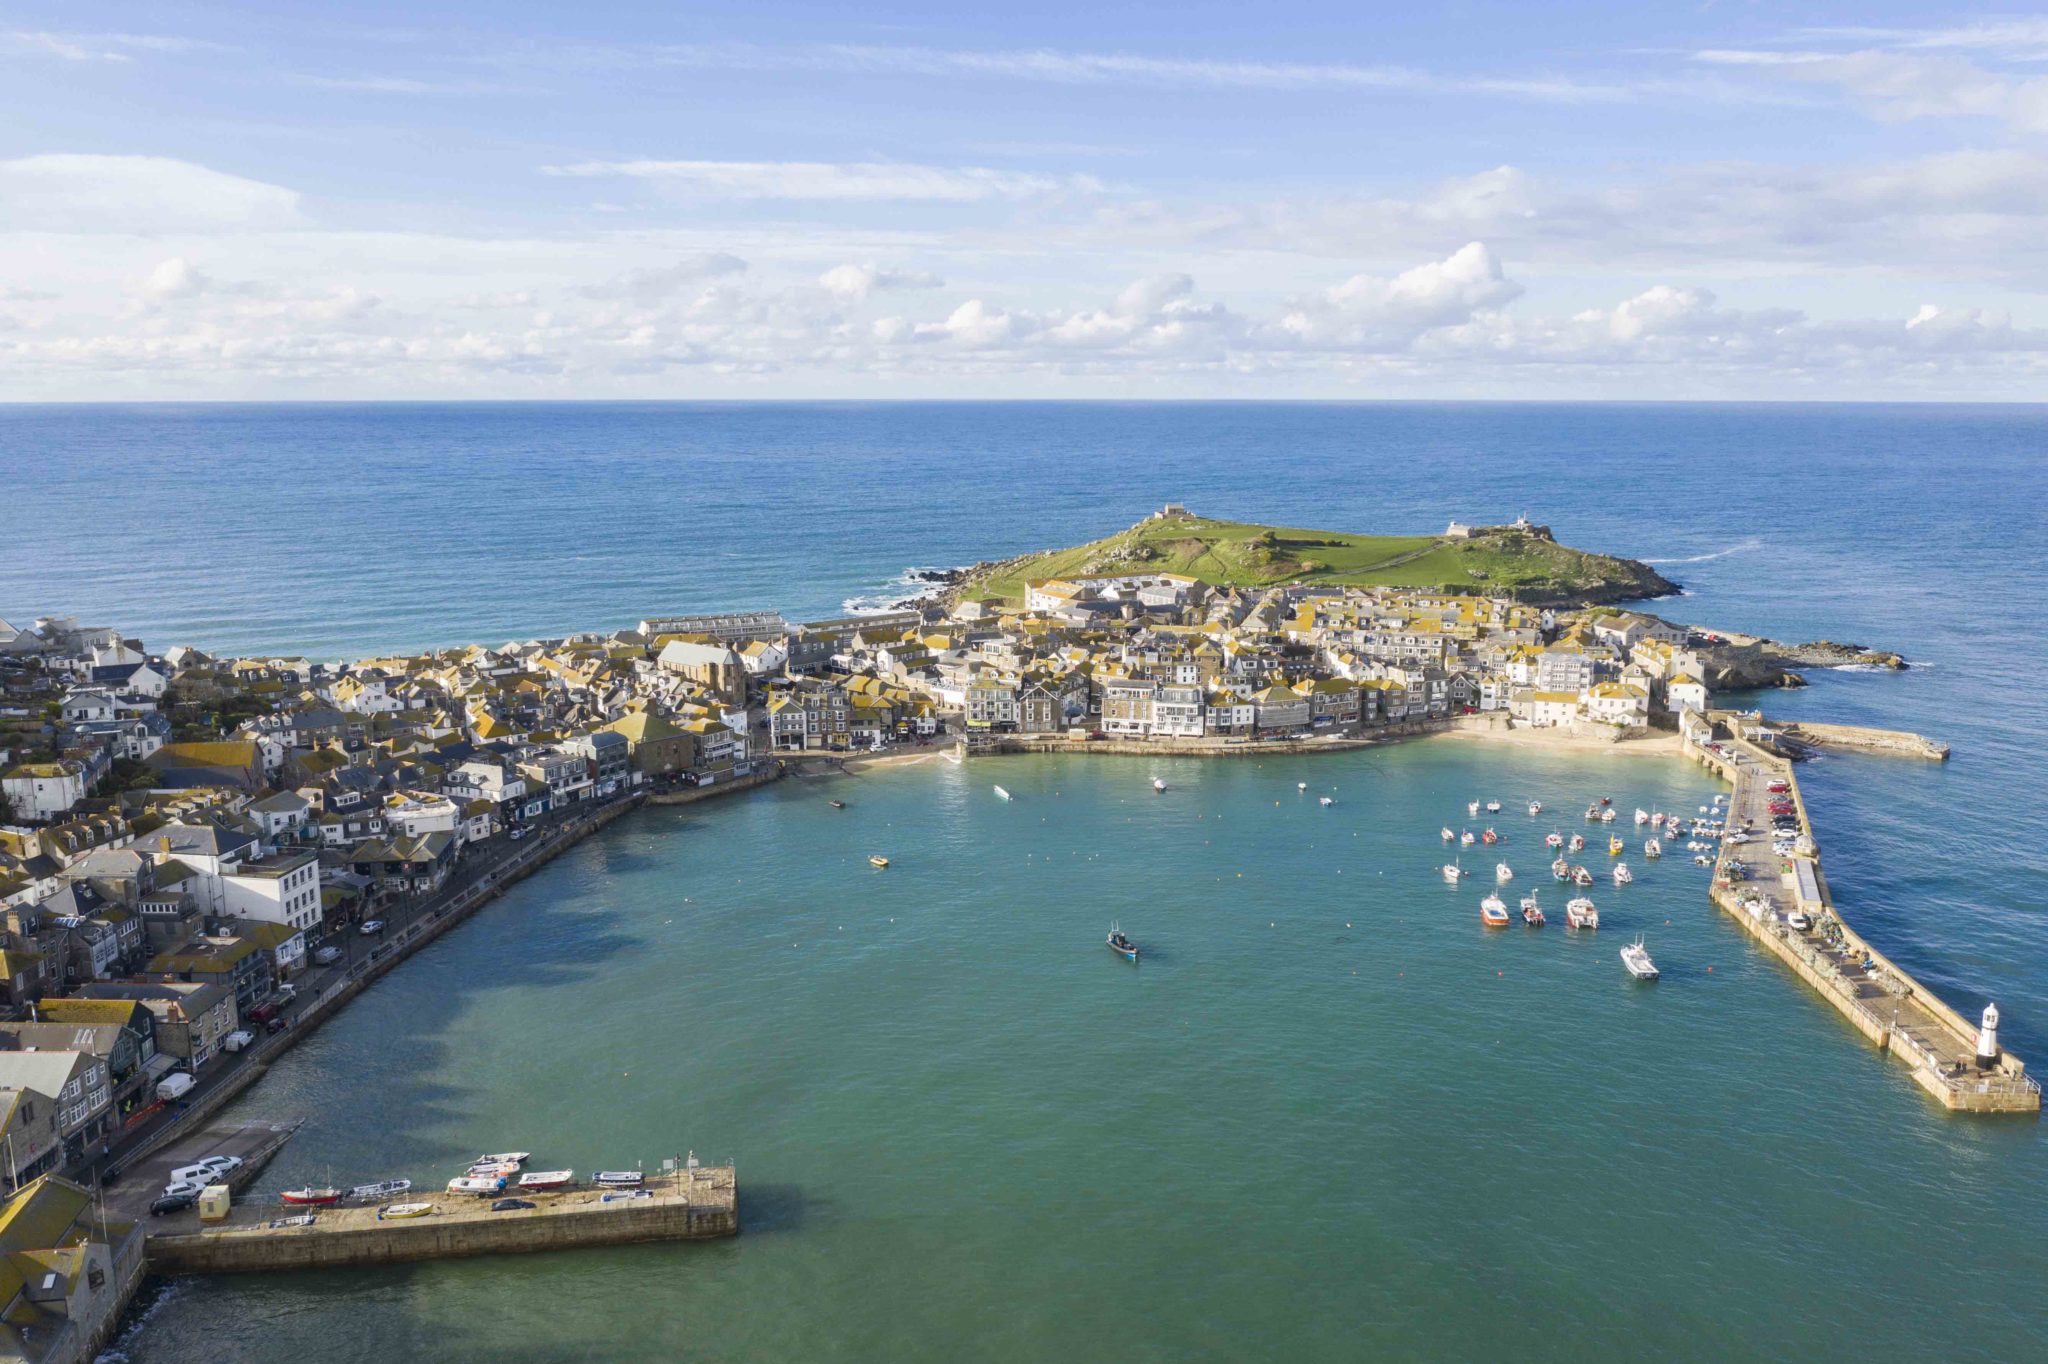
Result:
<point x="1753" y="542"/>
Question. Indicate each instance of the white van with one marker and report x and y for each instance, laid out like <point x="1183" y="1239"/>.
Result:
<point x="237" y="1039"/>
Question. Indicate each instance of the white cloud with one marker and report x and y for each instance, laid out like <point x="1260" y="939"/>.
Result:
<point x="174" y="278"/>
<point x="1371" y="313"/>
<point x="855" y="282"/>
<point x="651" y="284"/>
<point x="100" y="47"/>
<point x="835" y="181"/>
<point x="141" y="194"/>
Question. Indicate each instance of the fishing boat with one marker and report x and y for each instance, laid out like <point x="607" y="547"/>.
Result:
<point x="1493" y="807"/>
<point x="1614" y="847"/>
<point x="1489" y="837"/>
<point x="1158" y="784"/>
<point x="1581" y="877"/>
<point x="1472" y="809"/>
<point x="1503" y="873"/>
<point x="1467" y="839"/>
<point x="312" y="1196"/>
<point x="619" y="1179"/>
<point x="1535" y="808"/>
<point x="404" y="1210"/>
<point x="547" y="1179"/>
<point x="1561" y="870"/>
<point x="878" y="861"/>
<point x="1553" y="839"/>
<point x="1578" y="843"/>
<point x="1001" y="794"/>
<point x="370" y="1193"/>
<point x="1493" y="912"/>
<point x="1453" y="872"/>
<point x="477" y="1186"/>
<point x="838" y="805"/>
<point x="1622" y="875"/>
<point x="1532" y="913"/>
<point x="1642" y="815"/>
<point x="1653" y="849"/>
<point x="1449" y="837"/>
<point x="1703" y="861"/>
<point x="1580" y="913"/>
<point x="1120" y="944"/>
<point x="503" y="1157"/>
<point x="1324" y="800"/>
<point x="1636" y="958"/>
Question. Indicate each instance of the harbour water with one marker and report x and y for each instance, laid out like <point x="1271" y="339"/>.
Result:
<point x="965" y="1129"/>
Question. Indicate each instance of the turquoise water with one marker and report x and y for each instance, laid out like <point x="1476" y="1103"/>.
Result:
<point x="971" y="1132"/>
<point x="1328" y="1116"/>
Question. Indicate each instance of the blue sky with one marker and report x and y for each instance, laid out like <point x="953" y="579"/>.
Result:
<point x="1477" y="200"/>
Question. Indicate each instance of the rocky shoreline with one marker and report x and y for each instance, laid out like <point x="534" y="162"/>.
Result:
<point x="1746" y="662"/>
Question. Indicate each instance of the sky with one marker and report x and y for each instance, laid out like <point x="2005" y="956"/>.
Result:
<point x="902" y="199"/>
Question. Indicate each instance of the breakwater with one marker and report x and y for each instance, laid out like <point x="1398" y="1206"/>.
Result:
<point x="1784" y="903"/>
<point x="1897" y="743"/>
<point x="690" y="1205"/>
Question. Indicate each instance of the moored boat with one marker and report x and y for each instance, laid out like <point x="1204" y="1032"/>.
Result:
<point x="1578" y="843"/>
<point x="1324" y="800"/>
<point x="1467" y="839"/>
<point x="1622" y="875"/>
<point x="1581" y="877"/>
<point x="1493" y="912"/>
<point x="838" y="804"/>
<point x="1489" y="837"/>
<point x="1001" y="794"/>
<point x="1532" y="913"/>
<point x="1453" y="872"/>
<point x="1580" y="913"/>
<point x="502" y="1158"/>
<point x="1607" y="816"/>
<point x="1614" y="847"/>
<point x="1503" y="873"/>
<point x="547" y="1179"/>
<point x="1561" y="870"/>
<point x="1653" y="849"/>
<point x="312" y="1196"/>
<point x="1636" y="958"/>
<point x="1120" y="944"/>
<point x="878" y="861"/>
<point x="1493" y="807"/>
<point x="1535" y="808"/>
<point x="1449" y="837"/>
<point x="1472" y="809"/>
<point x="404" y="1210"/>
<point x="1593" y="811"/>
<point x="1642" y="815"/>
<point x="1158" y="784"/>
<point x="620" y="1179"/>
<point x="1553" y="839"/>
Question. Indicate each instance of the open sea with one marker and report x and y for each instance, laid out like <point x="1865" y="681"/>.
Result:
<point x="1328" y="1118"/>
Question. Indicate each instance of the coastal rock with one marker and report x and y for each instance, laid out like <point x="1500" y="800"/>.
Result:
<point x="1745" y="662"/>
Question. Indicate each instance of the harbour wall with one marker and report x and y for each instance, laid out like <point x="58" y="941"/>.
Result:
<point x="1893" y="742"/>
<point x="690" y="795"/>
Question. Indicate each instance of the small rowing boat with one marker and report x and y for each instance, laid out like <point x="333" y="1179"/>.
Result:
<point x="838" y="805"/>
<point x="404" y="1210"/>
<point x="1158" y="784"/>
<point x="1503" y="873"/>
<point x="370" y="1193"/>
<point x="878" y="861"/>
<point x="1449" y="837"/>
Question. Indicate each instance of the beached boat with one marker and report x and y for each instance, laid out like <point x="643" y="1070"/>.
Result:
<point x="1636" y="958"/>
<point x="370" y="1193"/>
<point x="1622" y="875"/>
<point x="1553" y="839"/>
<point x="1615" y="846"/>
<point x="404" y="1210"/>
<point x="1120" y="944"/>
<point x="1535" y="808"/>
<point x="1493" y="912"/>
<point x="547" y="1179"/>
<point x="1653" y="849"/>
<point x="1453" y="872"/>
<point x="1449" y="837"/>
<point x="477" y="1186"/>
<point x="489" y="1168"/>
<point x="1502" y="872"/>
<point x="1001" y="794"/>
<point x="619" y="1179"/>
<point x="503" y="1158"/>
<point x="1580" y="913"/>
<point x="312" y="1196"/>
<point x="1561" y="870"/>
<point x="878" y="861"/>
<point x="1532" y="913"/>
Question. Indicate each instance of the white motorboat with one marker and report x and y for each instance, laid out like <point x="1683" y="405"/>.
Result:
<point x="1642" y="815"/>
<point x="488" y="1169"/>
<point x="1467" y="839"/>
<point x="1493" y="807"/>
<point x="1159" y="783"/>
<point x="1453" y="872"/>
<point x="1301" y="786"/>
<point x="1636" y="958"/>
<point x="1561" y="870"/>
<point x="1653" y="849"/>
<point x="1579" y="913"/>
<point x="1503" y="873"/>
<point x="1493" y="912"/>
<point x="1535" y="808"/>
<point x="1449" y="837"/>
<point x="1578" y="843"/>
<point x="1607" y="815"/>
<point x="1553" y="840"/>
<point x="1004" y="795"/>
<point x="1324" y="800"/>
<point x="476" y="1185"/>
<point x="1532" y="913"/>
<point x="372" y="1192"/>
<point x="502" y="1157"/>
<point x="1622" y="875"/>
<point x="1472" y="809"/>
<point x="620" y="1179"/>
<point x="1581" y="877"/>
<point x="547" y="1179"/>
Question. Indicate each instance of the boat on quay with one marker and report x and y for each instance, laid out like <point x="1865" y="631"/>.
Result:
<point x="1636" y="958"/>
<point x="312" y="1196"/>
<point x="370" y="1193"/>
<point x="1120" y="944"/>
<point x="477" y="1185"/>
<point x="401" y="1211"/>
<point x="1580" y="913"/>
<point x="619" y="1179"/>
<point x="547" y="1179"/>
<point x="1532" y="913"/>
<point x="1493" y="912"/>
<point x="1622" y="875"/>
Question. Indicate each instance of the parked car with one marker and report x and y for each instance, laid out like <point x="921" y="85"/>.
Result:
<point x="287" y="993"/>
<point x="185" y="1188"/>
<point x="171" y="1203"/>
<point x="510" y="1205"/>
<point x="326" y="956"/>
<point x="372" y="928"/>
<point x="220" y="1165"/>
<point x="262" y="1013"/>
<point x="278" y="1024"/>
<point x="518" y="834"/>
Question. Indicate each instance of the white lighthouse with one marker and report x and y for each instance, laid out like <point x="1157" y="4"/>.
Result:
<point x="1987" y="1039"/>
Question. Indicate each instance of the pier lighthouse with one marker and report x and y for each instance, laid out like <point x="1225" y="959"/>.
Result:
<point x="1987" y="1039"/>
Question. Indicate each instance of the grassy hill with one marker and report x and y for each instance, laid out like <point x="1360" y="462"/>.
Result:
<point x="1526" y="565"/>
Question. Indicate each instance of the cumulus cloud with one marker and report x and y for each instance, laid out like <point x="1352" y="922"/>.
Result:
<point x="174" y="278"/>
<point x="823" y="180"/>
<point x="141" y="194"/>
<point x="1371" y="313"/>
<point x="855" y="282"/>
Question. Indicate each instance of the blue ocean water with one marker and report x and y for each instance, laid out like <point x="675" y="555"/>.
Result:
<point x="960" y="1133"/>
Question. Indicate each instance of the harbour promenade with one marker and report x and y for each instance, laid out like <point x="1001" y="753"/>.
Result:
<point x="1769" y="894"/>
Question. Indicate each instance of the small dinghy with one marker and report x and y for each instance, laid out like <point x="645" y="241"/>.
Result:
<point x="1503" y="873"/>
<point x="1158" y="784"/>
<point x="1535" y="808"/>
<point x="370" y="1193"/>
<point x="404" y="1210"/>
<point x="1453" y="872"/>
<point x="1004" y="795"/>
<point x="502" y="1158"/>
<point x="1467" y="839"/>
<point x="1489" y="837"/>
<point x="1120" y="944"/>
<point x="839" y="805"/>
<point x="1324" y="800"/>
<point x="878" y="861"/>
<point x="1493" y="807"/>
<point x="1472" y="809"/>
<point x="1449" y="837"/>
<point x="1578" y="843"/>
